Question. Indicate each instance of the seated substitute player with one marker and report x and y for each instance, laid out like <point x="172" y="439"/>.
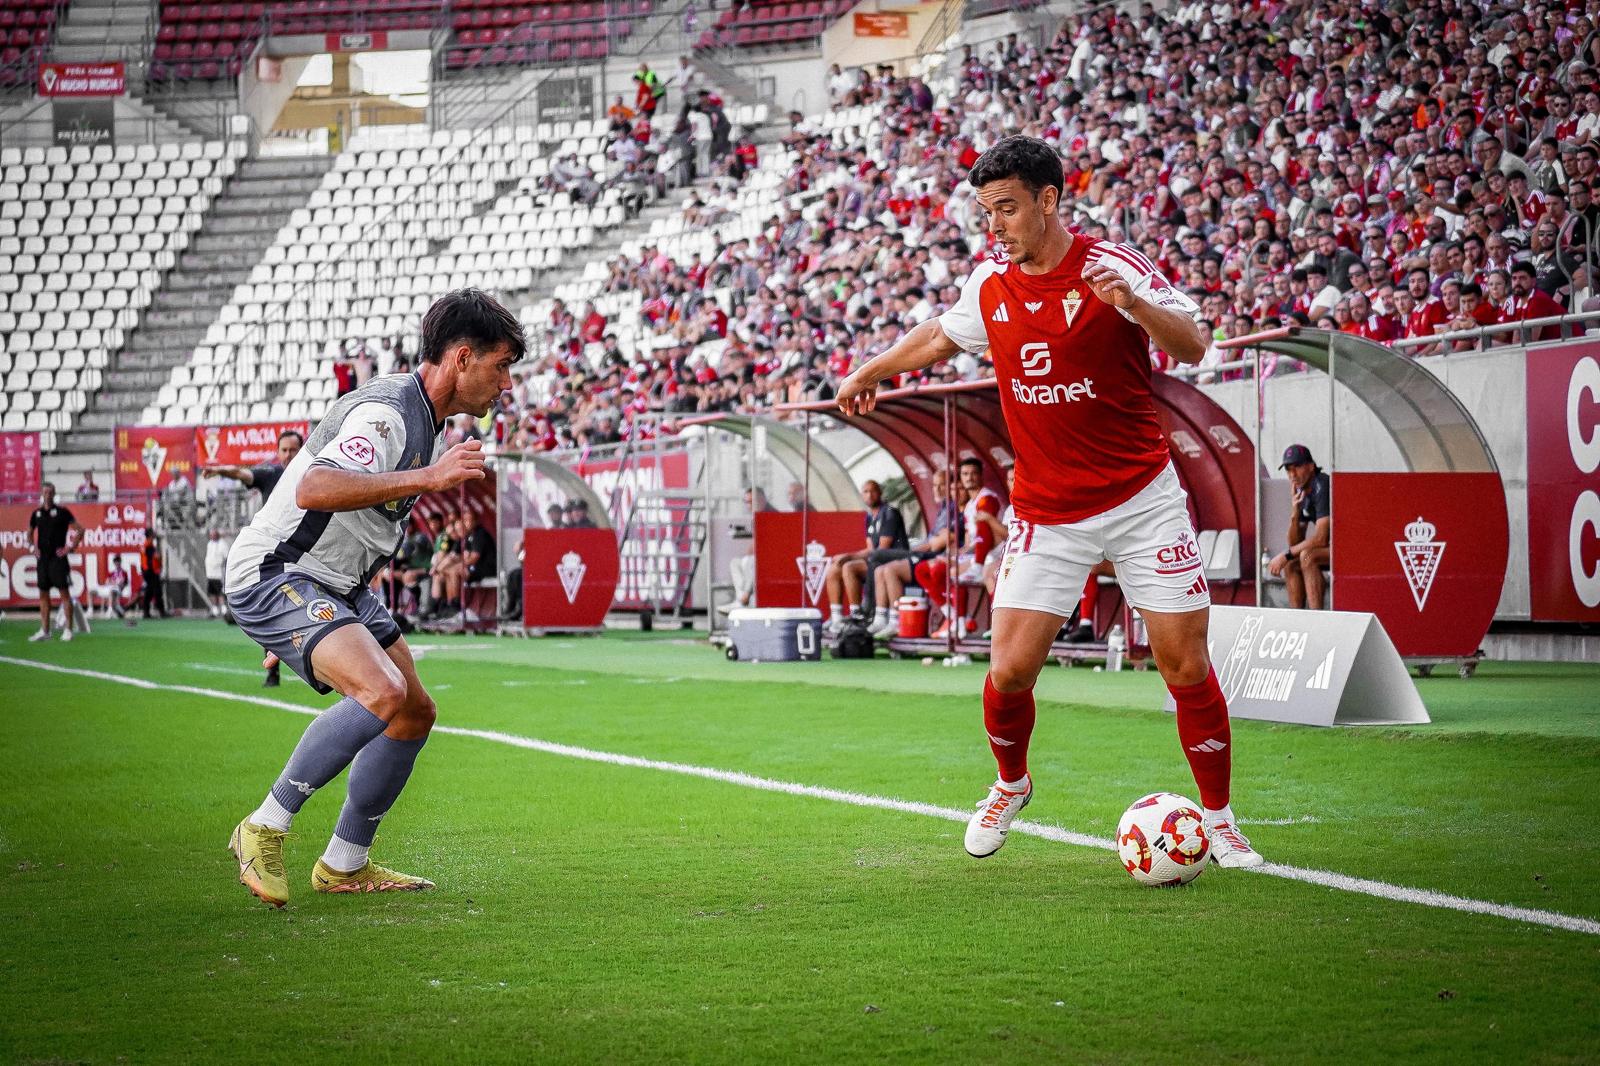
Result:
<point x="1068" y="321"/>
<point x="298" y="584"/>
<point x="848" y="578"/>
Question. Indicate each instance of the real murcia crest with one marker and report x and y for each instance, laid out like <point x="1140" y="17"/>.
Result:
<point x="1070" y="304"/>
<point x="154" y="457"/>
<point x="813" y="568"/>
<point x="1419" y="558"/>
<point x="212" y="438"/>
<point x="571" y="570"/>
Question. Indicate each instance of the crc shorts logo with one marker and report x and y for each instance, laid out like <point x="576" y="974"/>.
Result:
<point x="358" y="450"/>
<point x="320" y="610"/>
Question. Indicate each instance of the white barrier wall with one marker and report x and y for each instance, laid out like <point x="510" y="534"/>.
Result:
<point x="1298" y="409"/>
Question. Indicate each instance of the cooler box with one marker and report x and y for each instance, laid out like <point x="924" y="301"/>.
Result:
<point x="775" y="634"/>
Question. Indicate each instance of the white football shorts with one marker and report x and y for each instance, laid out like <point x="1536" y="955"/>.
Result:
<point x="1150" y="539"/>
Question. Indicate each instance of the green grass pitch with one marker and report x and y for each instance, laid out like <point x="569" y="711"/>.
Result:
<point x="589" y="912"/>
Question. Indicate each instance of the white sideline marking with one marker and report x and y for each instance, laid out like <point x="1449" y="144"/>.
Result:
<point x="1325" y="878"/>
<point x="212" y="668"/>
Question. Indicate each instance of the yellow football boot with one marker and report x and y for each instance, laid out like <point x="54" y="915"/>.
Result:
<point x="260" y="854"/>
<point x="370" y="878"/>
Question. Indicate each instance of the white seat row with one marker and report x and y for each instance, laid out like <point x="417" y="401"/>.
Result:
<point x="105" y="153"/>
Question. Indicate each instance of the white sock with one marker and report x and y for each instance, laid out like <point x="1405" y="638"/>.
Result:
<point x="835" y="613"/>
<point x="344" y="856"/>
<point x="880" y="616"/>
<point x="1224" y="815"/>
<point x="273" y="815"/>
<point x="1019" y="785"/>
<point x="893" y="618"/>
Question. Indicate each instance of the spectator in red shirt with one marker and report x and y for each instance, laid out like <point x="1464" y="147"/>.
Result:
<point x="1528" y="301"/>
<point x="594" y="324"/>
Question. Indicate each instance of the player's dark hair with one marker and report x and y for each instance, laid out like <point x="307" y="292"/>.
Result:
<point x="971" y="460"/>
<point x="1028" y="159"/>
<point x="474" y="316"/>
<point x="295" y="433"/>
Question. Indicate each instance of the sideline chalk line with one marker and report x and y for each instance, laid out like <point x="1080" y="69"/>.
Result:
<point x="1325" y="878"/>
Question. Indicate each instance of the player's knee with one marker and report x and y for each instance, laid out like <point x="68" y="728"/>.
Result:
<point x="385" y="696"/>
<point x="421" y="713"/>
<point x="1189" y="667"/>
<point x="1007" y="676"/>
<point x="1309" y="563"/>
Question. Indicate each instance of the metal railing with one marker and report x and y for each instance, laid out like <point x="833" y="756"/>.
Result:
<point x="1521" y="333"/>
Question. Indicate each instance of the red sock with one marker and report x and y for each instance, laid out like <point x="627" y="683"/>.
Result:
<point x="1008" y="719"/>
<point x="1205" y="735"/>
<point x="1091" y="593"/>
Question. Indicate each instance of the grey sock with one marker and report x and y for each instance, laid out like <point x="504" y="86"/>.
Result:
<point x="326" y="748"/>
<point x="376" y="778"/>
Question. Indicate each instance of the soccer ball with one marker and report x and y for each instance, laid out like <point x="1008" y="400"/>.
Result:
<point x="1162" y="841"/>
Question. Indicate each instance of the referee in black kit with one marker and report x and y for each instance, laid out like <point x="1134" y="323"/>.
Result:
<point x="263" y="479"/>
<point x="54" y="532"/>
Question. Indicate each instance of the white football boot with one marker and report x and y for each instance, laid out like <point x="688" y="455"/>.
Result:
<point x="1229" y="847"/>
<point x="43" y="634"/>
<point x="987" y="829"/>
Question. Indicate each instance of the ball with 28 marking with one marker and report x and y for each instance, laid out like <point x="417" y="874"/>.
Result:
<point x="1161" y="840"/>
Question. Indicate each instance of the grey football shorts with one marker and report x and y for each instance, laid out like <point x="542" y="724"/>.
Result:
<point x="290" y="614"/>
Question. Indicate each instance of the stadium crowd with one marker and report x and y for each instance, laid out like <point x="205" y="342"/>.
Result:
<point x="1393" y="173"/>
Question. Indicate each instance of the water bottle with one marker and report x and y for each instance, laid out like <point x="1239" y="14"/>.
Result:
<point x="1116" y="644"/>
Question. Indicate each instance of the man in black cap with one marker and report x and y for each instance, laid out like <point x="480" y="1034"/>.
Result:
<point x="1309" y="530"/>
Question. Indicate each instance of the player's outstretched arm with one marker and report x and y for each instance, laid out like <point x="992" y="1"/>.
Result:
<point x="241" y="474"/>
<point x="924" y="346"/>
<point x="331" y="488"/>
<point x="1173" y="331"/>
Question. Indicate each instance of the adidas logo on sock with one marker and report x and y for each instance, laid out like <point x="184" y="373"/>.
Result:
<point x="1209" y="745"/>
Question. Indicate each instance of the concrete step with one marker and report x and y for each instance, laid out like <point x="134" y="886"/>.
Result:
<point x="287" y="167"/>
<point x="217" y="261"/>
<point x="152" y="359"/>
<point x="247" y="243"/>
<point x="220" y="281"/>
<point x="204" y="294"/>
<point x="276" y="204"/>
<point x="166" y="340"/>
<point x="185" y="318"/>
<point x="253" y="223"/>
<point x="127" y="380"/>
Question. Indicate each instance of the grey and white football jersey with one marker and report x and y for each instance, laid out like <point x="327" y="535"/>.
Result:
<point x="388" y="424"/>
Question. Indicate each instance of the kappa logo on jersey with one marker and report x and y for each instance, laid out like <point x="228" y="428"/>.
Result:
<point x="359" y="449"/>
<point x="1035" y="359"/>
<point x="320" y="610"/>
<point x="571" y="570"/>
<point x="1070" y="305"/>
<point x="1419" y="558"/>
<point x="1000" y="314"/>
<point x="381" y="428"/>
<point x="813" y="568"/>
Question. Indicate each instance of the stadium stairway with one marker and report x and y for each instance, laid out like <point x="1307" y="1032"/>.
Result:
<point x="99" y="30"/>
<point x="242" y="223"/>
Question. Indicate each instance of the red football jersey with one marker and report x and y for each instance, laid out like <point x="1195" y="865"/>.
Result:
<point x="1074" y="375"/>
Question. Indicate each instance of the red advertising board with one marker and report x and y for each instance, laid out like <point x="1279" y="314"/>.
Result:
<point x="149" y="458"/>
<point x="792" y="553"/>
<point x="108" y="529"/>
<point x="651" y="558"/>
<point x="1564" y="483"/>
<point x="243" y="445"/>
<point x="1426" y="553"/>
<point x="82" y="79"/>
<point x="21" y="468"/>
<point x="569" y="577"/>
<point x="882" y="24"/>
